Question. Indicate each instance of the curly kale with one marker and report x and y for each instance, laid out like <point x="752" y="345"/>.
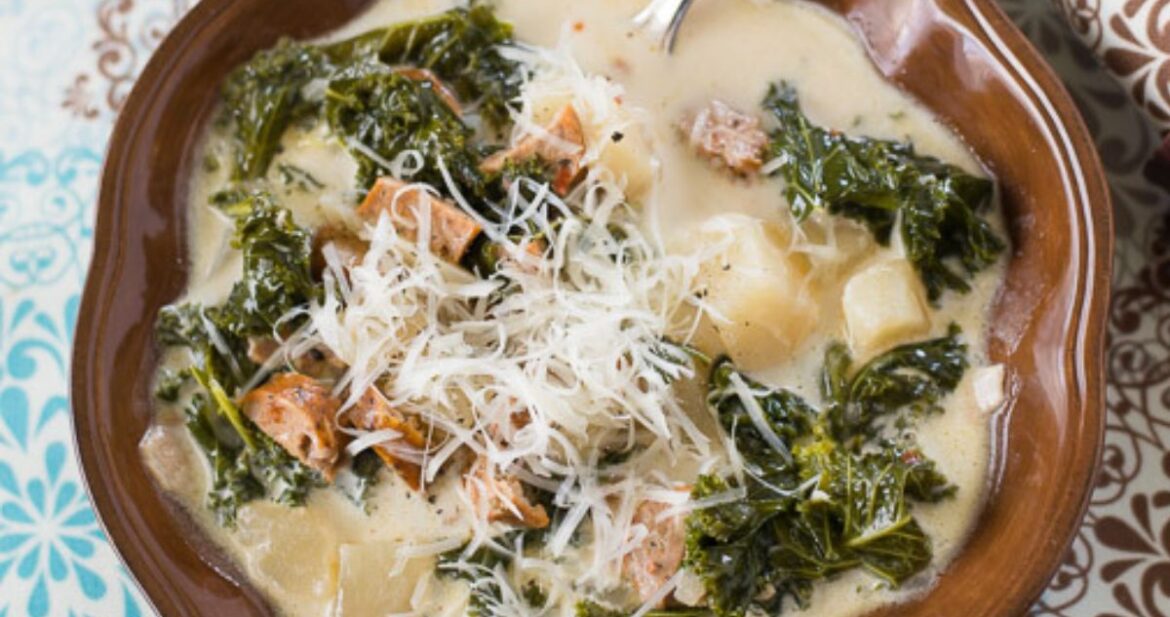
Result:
<point x="246" y="464"/>
<point x="785" y="415"/>
<point x="275" y="89"/>
<point x="387" y="114"/>
<point x="915" y="376"/>
<point x="885" y="184"/>
<point x="818" y="506"/>
<point x="264" y="97"/>
<point x="463" y="47"/>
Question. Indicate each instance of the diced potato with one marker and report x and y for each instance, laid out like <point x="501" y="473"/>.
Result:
<point x="760" y="291"/>
<point x="629" y="156"/>
<point x="168" y="453"/>
<point x="290" y="552"/>
<point x="884" y="305"/>
<point x="371" y="580"/>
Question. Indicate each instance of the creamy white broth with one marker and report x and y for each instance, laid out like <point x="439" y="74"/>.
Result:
<point x="306" y="560"/>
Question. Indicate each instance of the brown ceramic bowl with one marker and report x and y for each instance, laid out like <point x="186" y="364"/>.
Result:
<point x="961" y="58"/>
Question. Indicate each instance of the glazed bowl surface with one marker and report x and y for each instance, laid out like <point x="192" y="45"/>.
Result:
<point x="962" y="59"/>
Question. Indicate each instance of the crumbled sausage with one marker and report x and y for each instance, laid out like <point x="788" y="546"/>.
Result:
<point x="659" y="555"/>
<point x="562" y="147"/>
<point x="297" y="412"/>
<point x="500" y="497"/>
<point x="452" y="230"/>
<point x="728" y="137"/>
<point x="372" y="412"/>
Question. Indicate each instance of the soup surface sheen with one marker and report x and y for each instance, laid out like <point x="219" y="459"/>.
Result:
<point x="332" y="558"/>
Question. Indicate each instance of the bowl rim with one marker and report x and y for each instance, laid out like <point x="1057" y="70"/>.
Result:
<point x="1014" y="52"/>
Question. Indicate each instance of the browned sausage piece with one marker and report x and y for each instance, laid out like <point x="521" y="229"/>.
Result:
<point x="563" y="153"/>
<point x="445" y="93"/>
<point x="452" y="230"/>
<point x="660" y="553"/>
<point x="728" y="137"/>
<point x="350" y="248"/>
<point x="297" y="411"/>
<point x="373" y="412"/>
<point x="500" y="497"/>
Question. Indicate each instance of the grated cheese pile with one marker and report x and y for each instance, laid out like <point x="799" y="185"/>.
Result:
<point x="547" y="367"/>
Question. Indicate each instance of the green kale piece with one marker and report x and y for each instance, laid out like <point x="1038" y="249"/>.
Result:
<point x="462" y="46"/>
<point x="246" y="464"/>
<point x="232" y="483"/>
<point x="785" y="414"/>
<point x="388" y="113"/>
<point x="264" y="97"/>
<point x="884" y="184"/>
<point x="277" y="272"/>
<point x="915" y="376"/>
<point x="273" y="91"/>
<point x="817" y="506"/>
<point x="168" y="384"/>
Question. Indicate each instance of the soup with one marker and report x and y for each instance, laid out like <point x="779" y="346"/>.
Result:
<point x="503" y="310"/>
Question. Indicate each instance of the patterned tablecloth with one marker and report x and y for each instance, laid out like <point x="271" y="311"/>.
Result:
<point x="68" y="65"/>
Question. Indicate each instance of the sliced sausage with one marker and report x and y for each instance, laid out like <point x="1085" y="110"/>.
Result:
<point x="452" y="230"/>
<point x="500" y="497"/>
<point x="728" y="137"/>
<point x="297" y="412"/>
<point x="373" y="412"/>
<point x="659" y="556"/>
<point x="562" y="148"/>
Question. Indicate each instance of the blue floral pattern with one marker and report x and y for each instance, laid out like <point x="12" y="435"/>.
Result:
<point x="54" y="557"/>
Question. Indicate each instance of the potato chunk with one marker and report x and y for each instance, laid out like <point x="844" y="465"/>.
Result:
<point x="884" y="305"/>
<point x="629" y="155"/>
<point x="766" y="308"/>
<point x="290" y="553"/>
<point x="374" y="578"/>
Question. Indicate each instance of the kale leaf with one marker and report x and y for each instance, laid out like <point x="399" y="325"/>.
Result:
<point x="463" y="47"/>
<point x="389" y="113"/>
<point x="816" y="506"/>
<point x="914" y="376"/>
<point x="264" y="97"/>
<point x="246" y="464"/>
<point x="885" y="184"/>
<point x="274" y="91"/>
<point x="786" y="416"/>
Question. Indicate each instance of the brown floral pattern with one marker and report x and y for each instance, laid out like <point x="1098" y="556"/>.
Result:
<point x="130" y="30"/>
<point x="1133" y="39"/>
<point x="1119" y="563"/>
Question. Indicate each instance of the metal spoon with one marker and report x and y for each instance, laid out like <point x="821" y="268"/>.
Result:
<point x="663" y="19"/>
